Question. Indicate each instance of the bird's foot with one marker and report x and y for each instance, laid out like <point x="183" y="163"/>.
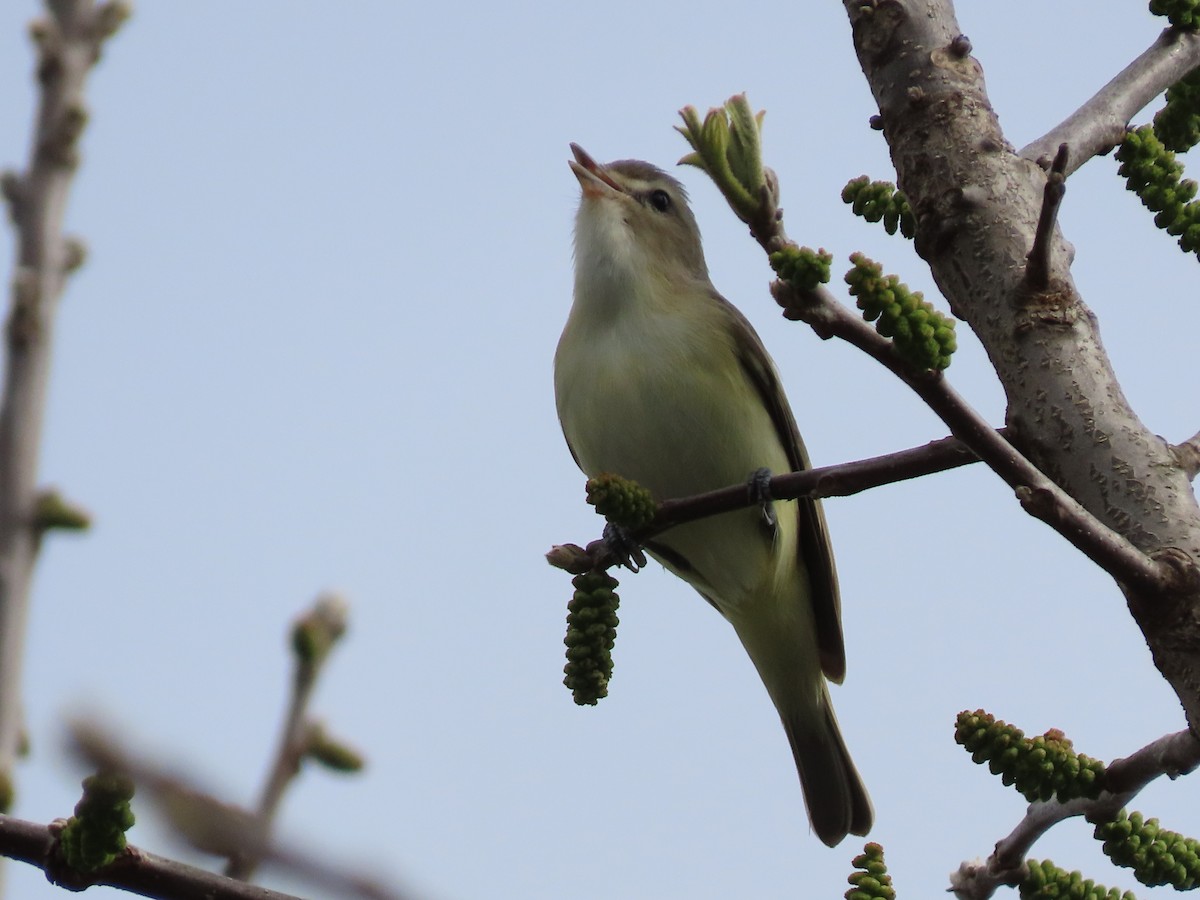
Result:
<point x="758" y="487"/>
<point x="623" y="547"/>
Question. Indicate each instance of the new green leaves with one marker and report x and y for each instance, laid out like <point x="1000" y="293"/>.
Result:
<point x="726" y="145"/>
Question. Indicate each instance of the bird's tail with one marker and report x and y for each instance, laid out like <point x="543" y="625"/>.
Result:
<point x="783" y="648"/>
<point x="834" y="793"/>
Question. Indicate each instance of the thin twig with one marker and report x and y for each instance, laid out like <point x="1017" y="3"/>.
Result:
<point x="69" y="42"/>
<point x="974" y="439"/>
<point x="1172" y="755"/>
<point x="1037" y="270"/>
<point x="1040" y="496"/>
<point x="841" y="480"/>
<point x="1099" y="125"/>
<point x="327" y="619"/>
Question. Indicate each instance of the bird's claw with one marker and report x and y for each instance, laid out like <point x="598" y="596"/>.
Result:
<point x="623" y="547"/>
<point x="758" y="487"/>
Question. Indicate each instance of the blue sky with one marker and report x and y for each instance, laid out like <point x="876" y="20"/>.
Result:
<point x="329" y="259"/>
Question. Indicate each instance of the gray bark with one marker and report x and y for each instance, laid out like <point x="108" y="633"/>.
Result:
<point x="978" y="203"/>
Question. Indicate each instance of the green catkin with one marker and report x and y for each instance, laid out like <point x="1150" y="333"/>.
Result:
<point x="1177" y="124"/>
<point x="591" y="634"/>
<point x="1045" y="881"/>
<point x="623" y="502"/>
<point x="1151" y="171"/>
<point x="879" y="201"/>
<point x="1156" y="856"/>
<point x="1041" y="768"/>
<point x="870" y="880"/>
<point x="95" y="835"/>
<point x="803" y="268"/>
<point x="1183" y="14"/>
<point x="921" y="335"/>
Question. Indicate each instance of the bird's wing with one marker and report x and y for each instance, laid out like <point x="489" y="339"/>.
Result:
<point x="815" y="549"/>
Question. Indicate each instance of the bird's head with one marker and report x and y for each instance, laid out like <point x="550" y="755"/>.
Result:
<point x="634" y="223"/>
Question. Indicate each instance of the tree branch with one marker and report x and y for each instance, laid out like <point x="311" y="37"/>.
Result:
<point x="69" y="43"/>
<point x="1099" y="125"/>
<point x="977" y="206"/>
<point x="1188" y="454"/>
<point x="1037" y="272"/>
<point x="841" y="480"/>
<point x="325" y="623"/>
<point x="1040" y="496"/>
<point x="976" y="439"/>
<point x="213" y="826"/>
<point x="135" y="870"/>
<point x="757" y="204"/>
<point x="1172" y="755"/>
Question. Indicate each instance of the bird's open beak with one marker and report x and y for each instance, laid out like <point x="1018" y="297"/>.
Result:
<point x="595" y="181"/>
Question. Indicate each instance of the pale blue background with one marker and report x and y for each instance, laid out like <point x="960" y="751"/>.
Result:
<point x="330" y="256"/>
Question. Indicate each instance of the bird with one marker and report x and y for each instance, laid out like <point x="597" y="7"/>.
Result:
<point x="659" y="379"/>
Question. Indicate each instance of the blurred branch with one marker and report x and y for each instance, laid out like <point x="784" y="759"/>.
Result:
<point x="68" y="42"/>
<point x="216" y="827"/>
<point x="1098" y="125"/>
<point x="135" y="871"/>
<point x="313" y="637"/>
<point x="1172" y="755"/>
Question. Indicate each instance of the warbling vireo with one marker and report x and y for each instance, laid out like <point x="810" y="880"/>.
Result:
<point x="659" y="379"/>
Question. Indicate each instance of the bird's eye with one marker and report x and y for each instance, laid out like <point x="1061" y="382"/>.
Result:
<point x="660" y="200"/>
